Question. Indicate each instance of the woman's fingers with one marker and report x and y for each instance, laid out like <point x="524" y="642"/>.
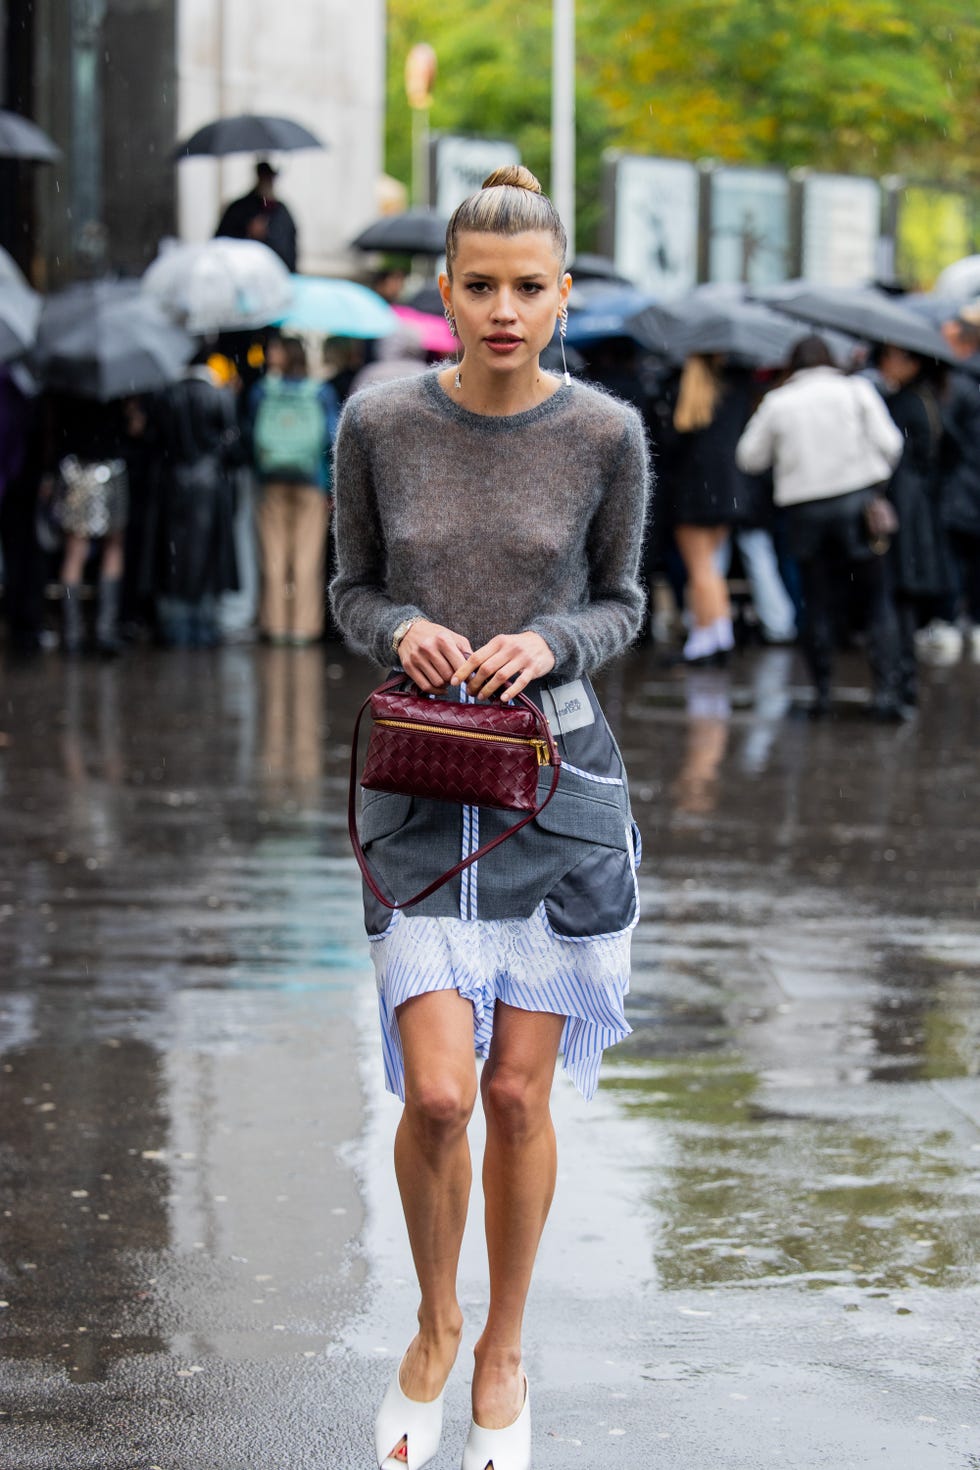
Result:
<point x="429" y="653"/>
<point x="505" y="665"/>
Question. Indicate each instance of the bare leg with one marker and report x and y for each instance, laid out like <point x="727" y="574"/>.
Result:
<point x="432" y="1165"/>
<point x="73" y="560"/>
<point x="519" y="1169"/>
<point x="707" y="588"/>
<point x="113" y="554"/>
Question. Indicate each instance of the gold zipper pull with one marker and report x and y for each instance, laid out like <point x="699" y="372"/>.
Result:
<point x="542" y="749"/>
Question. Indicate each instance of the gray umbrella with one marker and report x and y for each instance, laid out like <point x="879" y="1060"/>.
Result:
<point x="249" y="132"/>
<point x="20" y="308"/>
<point x="861" y="311"/>
<point x="745" y="331"/>
<point x="108" y="339"/>
<point x="20" y="138"/>
<point x="413" y="232"/>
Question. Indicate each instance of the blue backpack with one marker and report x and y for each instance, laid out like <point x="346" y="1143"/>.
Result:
<point x="290" y="430"/>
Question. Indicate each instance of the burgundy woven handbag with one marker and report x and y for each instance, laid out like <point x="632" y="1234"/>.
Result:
<point x="486" y="754"/>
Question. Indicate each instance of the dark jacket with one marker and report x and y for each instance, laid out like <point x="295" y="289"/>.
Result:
<point x="700" y="482"/>
<point x="191" y="538"/>
<point x="279" y="231"/>
<point x="920" y="559"/>
<point x="961" y="468"/>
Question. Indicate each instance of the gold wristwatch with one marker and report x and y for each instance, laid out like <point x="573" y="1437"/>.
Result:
<point x="401" y="630"/>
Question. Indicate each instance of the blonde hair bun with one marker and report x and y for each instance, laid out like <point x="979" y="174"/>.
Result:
<point x="514" y="176"/>
<point x="509" y="203"/>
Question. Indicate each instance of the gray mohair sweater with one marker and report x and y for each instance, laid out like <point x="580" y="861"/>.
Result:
<point x="487" y="525"/>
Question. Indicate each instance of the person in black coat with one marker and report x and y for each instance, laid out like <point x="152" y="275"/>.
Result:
<point x="190" y="547"/>
<point x="259" y="215"/>
<point x="961" y="476"/>
<point x="919" y="556"/>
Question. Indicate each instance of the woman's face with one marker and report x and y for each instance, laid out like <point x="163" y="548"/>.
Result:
<point x="899" y="366"/>
<point x="505" y="294"/>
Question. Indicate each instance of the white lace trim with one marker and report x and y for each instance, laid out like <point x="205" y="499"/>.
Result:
<point x="517" y="961"/>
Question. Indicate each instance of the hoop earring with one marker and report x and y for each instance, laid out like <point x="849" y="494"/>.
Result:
<point x="562" y="329"/>
<point x="457" y="381"/>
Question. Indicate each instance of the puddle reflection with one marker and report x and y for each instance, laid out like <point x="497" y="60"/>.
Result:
<point x="800" y="947"/>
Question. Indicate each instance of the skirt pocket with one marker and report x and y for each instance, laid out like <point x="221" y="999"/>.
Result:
<point x="596" y="895"/>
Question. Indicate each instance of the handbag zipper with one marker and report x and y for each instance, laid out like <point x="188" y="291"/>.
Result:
<point x="540" y="746"/>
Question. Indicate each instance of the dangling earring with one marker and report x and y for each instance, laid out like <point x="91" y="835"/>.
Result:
<point x="562" y="329"/>
<point x="457" y="381"/>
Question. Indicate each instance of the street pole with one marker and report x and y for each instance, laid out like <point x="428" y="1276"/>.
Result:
<point x="420" y="76"/>
<point x="563" y="114"/>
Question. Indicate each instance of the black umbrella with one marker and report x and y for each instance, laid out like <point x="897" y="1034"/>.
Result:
<point x="414" y="232"/>
<point x="107" y="339"/>
<point x="20" y="138"/>
<point x="745" y="331"/>
<point x="20" y="308"/>
<point x="248" y="133"/>
<point x="596" y="268"/>
<point x="427" y="298"/>
<point x="862" y="311"/>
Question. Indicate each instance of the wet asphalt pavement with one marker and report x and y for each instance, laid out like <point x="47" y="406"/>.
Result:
<point x="764" y="1248"/>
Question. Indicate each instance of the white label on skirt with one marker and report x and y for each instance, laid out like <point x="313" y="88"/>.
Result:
<point x="568" y="707"/>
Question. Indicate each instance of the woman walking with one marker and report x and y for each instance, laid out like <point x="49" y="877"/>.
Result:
<point x="489" y="519"/>
<point x="831" y="446"/>
<point x="706" y="493"/>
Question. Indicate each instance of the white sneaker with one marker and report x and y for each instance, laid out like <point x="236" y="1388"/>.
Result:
<point x="939" y="642"/>
<point x="975" y="645"/>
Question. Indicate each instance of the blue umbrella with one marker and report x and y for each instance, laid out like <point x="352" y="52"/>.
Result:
<point x="599" y="310"/>
<point x="337" y="309"/>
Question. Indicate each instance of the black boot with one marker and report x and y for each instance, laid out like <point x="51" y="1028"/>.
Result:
<point x="107" y="639"/>
<point x="72" y="619"/>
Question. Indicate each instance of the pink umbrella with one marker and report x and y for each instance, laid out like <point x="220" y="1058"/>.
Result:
<point x="433" y="330"/>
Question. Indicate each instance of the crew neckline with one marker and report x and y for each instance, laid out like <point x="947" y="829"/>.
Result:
<point x="493" y="421"/>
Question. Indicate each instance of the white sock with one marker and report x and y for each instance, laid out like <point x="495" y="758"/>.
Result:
<point x="723" y="633"/>
<point x="701" y="642"/>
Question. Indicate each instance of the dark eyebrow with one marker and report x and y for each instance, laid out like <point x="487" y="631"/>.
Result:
<point x="484" y="276"/>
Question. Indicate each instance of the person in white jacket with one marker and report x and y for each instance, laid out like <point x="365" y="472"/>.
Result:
<point x="831" y="445"/>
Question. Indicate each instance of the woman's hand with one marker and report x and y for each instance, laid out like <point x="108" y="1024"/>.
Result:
<point x="429" y="653"/>
<point x="511" y="659"/>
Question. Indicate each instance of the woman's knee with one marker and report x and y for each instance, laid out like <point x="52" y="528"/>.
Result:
<point x="439" y="1108"/>
<point x="515" y="1104"/>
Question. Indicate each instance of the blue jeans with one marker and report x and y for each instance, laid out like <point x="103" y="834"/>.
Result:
<point x="769" y="596"/>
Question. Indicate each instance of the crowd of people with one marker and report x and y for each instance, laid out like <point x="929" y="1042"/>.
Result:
<point x="851" y="496"/>
<point x="149" y="513"/>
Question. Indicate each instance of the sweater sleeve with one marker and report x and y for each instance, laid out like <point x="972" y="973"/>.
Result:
<point x="609" y="620"/>
<point x="755" y="450"/>
<point x="363" y="611"/>
<point x="878" y="423"/>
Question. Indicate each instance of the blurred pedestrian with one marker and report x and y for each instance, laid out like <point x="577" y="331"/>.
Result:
<point x="488" y="529"/>
<point x="88" y="483"/>
<point x="831" y="445"/>
<point x="704" y="493"/>
<point x="259" y="215"/>
<point x="919" y="556"/>
<point x="191" y="540"/>
<point x="401" y="354"/>
<point x="293" y="427"/>
<point x="961" y="478"/>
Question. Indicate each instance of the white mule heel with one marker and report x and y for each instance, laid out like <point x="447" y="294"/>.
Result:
<point x="400" y="1417"/>
<point x="501" y="1449"/>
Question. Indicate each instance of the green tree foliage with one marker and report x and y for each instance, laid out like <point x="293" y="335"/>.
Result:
<point x="874" y="86"/>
